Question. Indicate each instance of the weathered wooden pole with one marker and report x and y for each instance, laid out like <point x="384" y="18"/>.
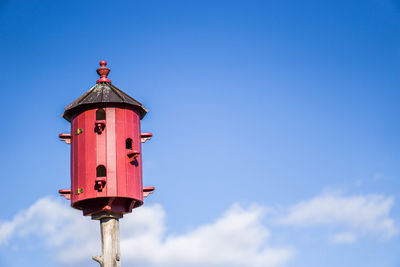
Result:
<point x="109" y="226"/>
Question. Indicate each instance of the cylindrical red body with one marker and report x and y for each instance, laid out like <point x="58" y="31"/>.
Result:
<point x="106" y="168"/>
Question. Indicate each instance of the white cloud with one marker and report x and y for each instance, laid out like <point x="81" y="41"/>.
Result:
<point x="359" y="214"/>
<point x="237" y="238"/>
<point x="57" y="225"/>
<point x="343" y="238"/>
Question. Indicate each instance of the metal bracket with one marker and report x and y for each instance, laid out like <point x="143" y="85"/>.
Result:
<point x="78" y="191"/>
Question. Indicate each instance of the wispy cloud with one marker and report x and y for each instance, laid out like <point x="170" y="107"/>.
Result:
<point x="378" y="176"/>
<point x="237" y="238"/>
<point x="356" y="214"/>
<point x="344" y="238"/>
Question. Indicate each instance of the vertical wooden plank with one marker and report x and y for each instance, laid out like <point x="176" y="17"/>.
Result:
<point x="120" y="138"/>
<point x="74" y="147"/>
<point x="138" y="143"/>
<point x="111" y="156"/>
<point x="76" y="158"/>
<point x="101" y="154"/>
<point x="90" y="153"/>
<point x="134" y="171"/>
<point x="81" y="155"/>
<point x="130" y="169"/>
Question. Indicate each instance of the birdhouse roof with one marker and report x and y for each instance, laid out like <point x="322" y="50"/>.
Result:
<point x="103" y="92"/>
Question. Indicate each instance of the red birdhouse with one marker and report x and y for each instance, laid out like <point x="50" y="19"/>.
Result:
<point x="106" y="152"/>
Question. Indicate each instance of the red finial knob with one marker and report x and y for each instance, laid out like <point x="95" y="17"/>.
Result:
<point x="103" y="71"/>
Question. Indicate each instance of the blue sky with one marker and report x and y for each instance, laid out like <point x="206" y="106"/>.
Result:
<point x="283" y="112"/>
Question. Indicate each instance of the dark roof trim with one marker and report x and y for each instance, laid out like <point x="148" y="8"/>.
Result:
<point x="99" y="94"/>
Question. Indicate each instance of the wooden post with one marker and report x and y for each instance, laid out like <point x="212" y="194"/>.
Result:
<point x="109" y="225"/>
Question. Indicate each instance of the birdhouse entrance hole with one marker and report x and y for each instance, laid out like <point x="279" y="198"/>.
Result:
<point x="100" y="115"/>
<point x="128" y="143"/>
<point x="100" y="123"/>
<point x="101" y="174"/>
<point x="101" y="171"/>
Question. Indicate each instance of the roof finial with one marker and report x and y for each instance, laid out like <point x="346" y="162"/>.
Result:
<point x="103" y="72"/>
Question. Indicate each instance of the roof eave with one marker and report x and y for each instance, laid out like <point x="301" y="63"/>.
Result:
<point x="69" y="113"/>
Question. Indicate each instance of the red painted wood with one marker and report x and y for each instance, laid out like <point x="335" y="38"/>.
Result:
<point x="101" y="156"/>
<point x="148" y="190"/>
<point x="138" y="143"/>
<point x="123" y="189"/>
<point x="91" y="156"/>
<point x="65" y="193"/>
<point x="74" y="160"/>
<point x="103" y="71"/>
<point x="98" y="141"/>
<point x="122" y="176"/>
<point x="79" y="155"/>
<point x="134" y="174"/>
<point x="111" y="186"/>
<point x="130" y="167"/>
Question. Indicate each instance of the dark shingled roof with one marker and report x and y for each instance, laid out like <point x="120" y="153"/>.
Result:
<point x="103" y="92"/>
